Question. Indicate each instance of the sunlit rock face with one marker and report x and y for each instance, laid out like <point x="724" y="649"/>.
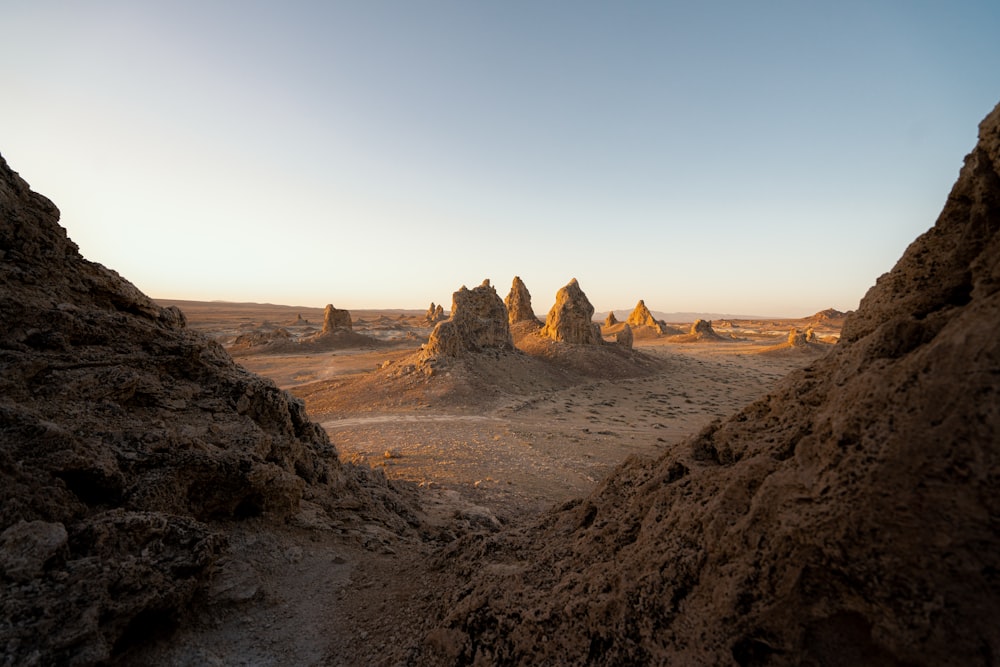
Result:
<point x="703" y="329"/>
<point x="640" y="316"/>
<point x="518" y="303"/>
<point x="336" y="319"/>
<point x="478" y="323"/>
<point x="570" y="318"/>
<point x="123" y="437"/>
<point x="848" y="518"/>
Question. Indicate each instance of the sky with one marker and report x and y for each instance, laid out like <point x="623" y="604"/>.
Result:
<point x="764" y="158"/>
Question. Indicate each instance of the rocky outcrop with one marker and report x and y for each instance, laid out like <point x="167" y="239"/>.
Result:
<point x="850" y="517"/>
<point x="797" y="338"/>
<point x="335" y="319"/>
<point x="702" y="329"/>
<point x="434" y="313"/>
<point x="123" y="437"/>
<point x="518" y="303"/>
<point x="625" y="337"/>
<point x="610" y="320"/>
<point x="570" y="319"/>
<point x="640" y="316"/>
<point x="478" y="323"/>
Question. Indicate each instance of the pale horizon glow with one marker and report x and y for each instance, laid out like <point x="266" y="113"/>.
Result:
<point x="728" y="157"/>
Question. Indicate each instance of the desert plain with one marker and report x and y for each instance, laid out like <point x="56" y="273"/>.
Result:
<point x="477" y="444"/>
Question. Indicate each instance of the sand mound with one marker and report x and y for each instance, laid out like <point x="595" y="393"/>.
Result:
<point x="570" y="318"/>
<point x="847" y="518"/>
<point x="124" y="437"/>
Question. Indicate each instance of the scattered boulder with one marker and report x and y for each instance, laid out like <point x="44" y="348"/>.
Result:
<point x="624" y="337"/>
<point x="336" y="319"/>
<point x="570" y="319"/>
<point x="518" y="303"/>
<point x="849" y="517"/>
<point x="478" y="323"/>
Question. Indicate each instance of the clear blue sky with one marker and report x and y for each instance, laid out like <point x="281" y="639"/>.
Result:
<point x="767" y="158"/>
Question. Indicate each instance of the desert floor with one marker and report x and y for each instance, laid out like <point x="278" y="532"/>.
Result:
<point x="359" y="595"/>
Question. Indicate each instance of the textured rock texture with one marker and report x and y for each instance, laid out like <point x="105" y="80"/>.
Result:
<point x="518" y="303"/>
<point x="848" y="518"/>
<point x="625" y="337"/>
<point x="610" y="320"/>
<point x="434" y="313"/>
<point x="121" y="434"/>
<point x="478" y="323"/>
<point x="570" y="319"/>
<point x="797" y="338"/>
<point x="703" y="329"/>
<point x="640" y="316"/>
<point x="336" y="318"/>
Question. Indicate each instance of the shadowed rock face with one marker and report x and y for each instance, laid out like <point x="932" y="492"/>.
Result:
<point x="570" y="319"/>
<point x="848" y="518"/>
<point x="518" y="303"/>
<point x="703" y="329"/>
<point x="625" y="337"/>
<point x="478" y="322"/>
<point x="121" y="434"/>
<point x="336" y="318"/>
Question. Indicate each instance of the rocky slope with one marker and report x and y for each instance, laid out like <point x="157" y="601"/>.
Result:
<point x="125" y="439"/>
<point x="849" y="518"/>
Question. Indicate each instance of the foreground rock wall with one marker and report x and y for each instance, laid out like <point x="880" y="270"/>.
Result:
<point x="121" y="434"/>
<point x="848" y="518"/>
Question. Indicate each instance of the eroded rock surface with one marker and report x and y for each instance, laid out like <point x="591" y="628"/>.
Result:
<point x="570" y="319"/>
<point x="123" y="438"/>
<point x="625" y="337"/>
<point x="640" y="316"/>
<point x="336" y="319"/>
<point x="478" y="323"/>
<point x="847" y="518"/>
<point x="518" y="303"/>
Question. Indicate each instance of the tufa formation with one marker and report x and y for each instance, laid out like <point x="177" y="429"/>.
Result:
<point x="124" y="438"/>
<point x="335" y="319"/>
<point x="848" y="518"/>
<point x="570" y="319"/>
<point x="640" y="316"/>
<point x="625" y="337"/>
<point x="518" y="303"/>
<point x="478" y="323"/>
<point x="610" y="320"/>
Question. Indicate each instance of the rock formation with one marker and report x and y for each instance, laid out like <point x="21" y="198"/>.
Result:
<point x="434" y="313"/>
<point x="123" y="436"/>
<point x="624" y="337"/>
<point x="796" y="338"/>
<point x="640" y="316"/>
<point x="570" y="319"/>
<point x="518" y="303"/>
<point x="702" y="329"/>
<point x="850" y="517"/>
<point x="478" y="323"/>
<point x="610" y="320"/>
<point x="336" y="319"/>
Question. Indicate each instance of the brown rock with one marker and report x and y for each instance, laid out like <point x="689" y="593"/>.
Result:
<point x="434" y="313"/>
<point x="797" y="338"/>
<point x="335" y="318"/>
<point x="640" y="316"/>
<point x="624" y="337"/>
<point x="478" y="323"/>
<point x="518" y="303"/>
<point x="847" y="518"/>
<point x="703" y="329"/>
<point x="610" y="320"/>
<point x="570" y="319"/>
<point x="127" y="432"/>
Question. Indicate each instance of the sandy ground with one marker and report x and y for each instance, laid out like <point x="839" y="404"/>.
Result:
<point x="358" y="595"/>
